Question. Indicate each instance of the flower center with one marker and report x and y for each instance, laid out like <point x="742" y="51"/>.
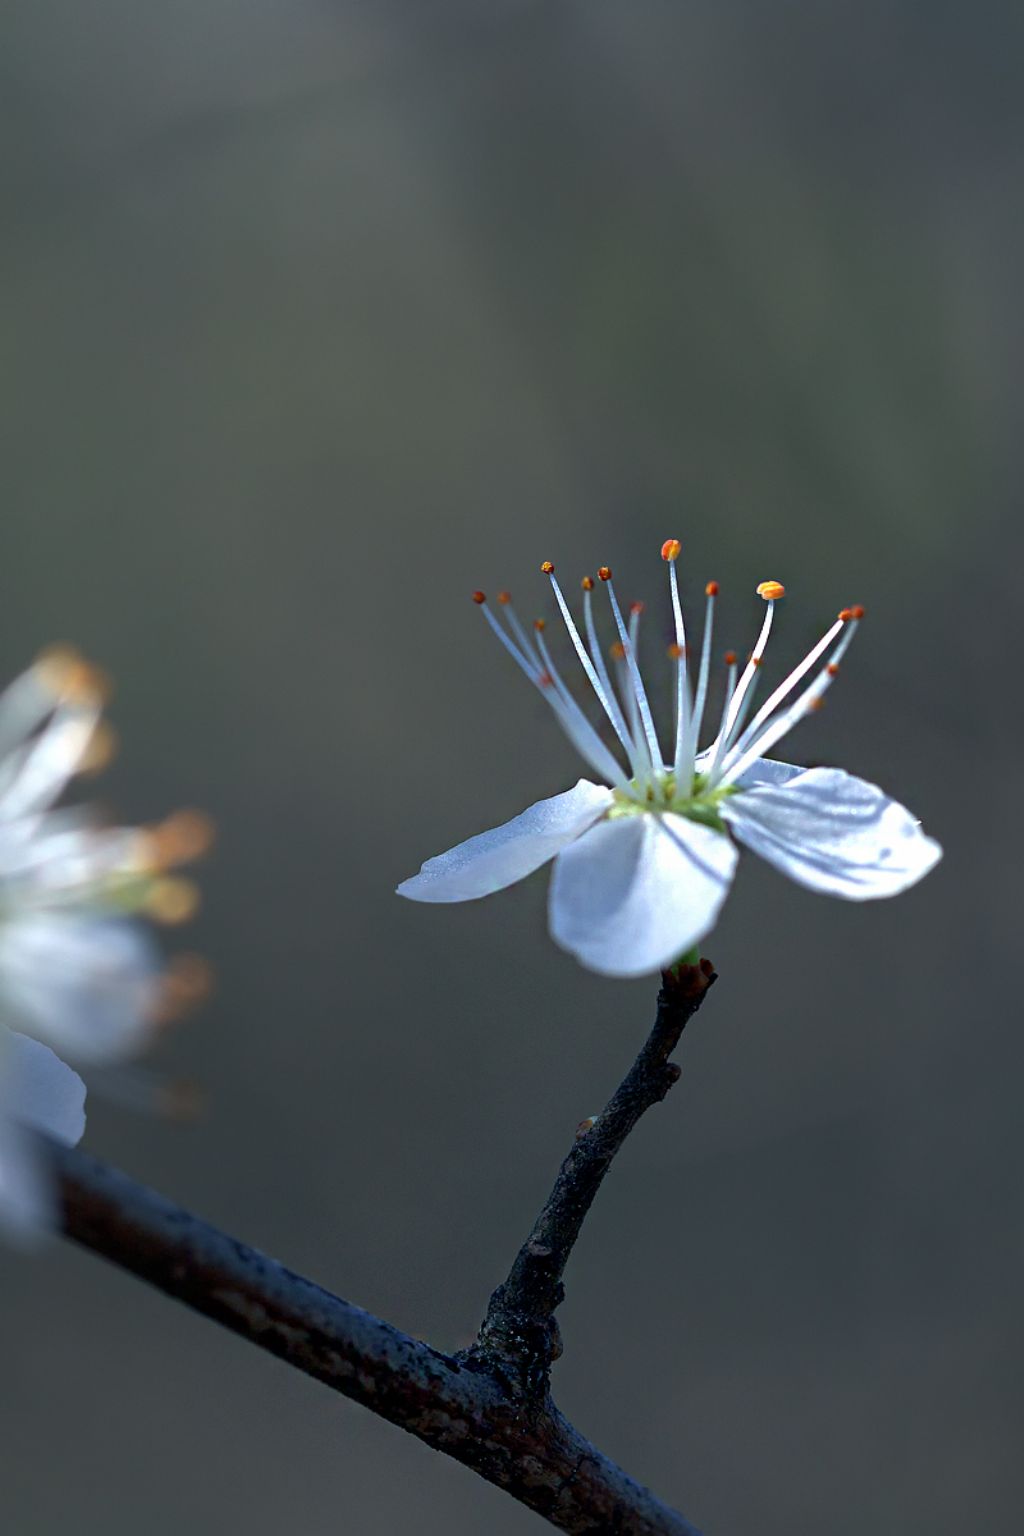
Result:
<point x="663" y="793"/>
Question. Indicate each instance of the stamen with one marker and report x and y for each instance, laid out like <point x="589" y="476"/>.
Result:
<point x="172" y="900"/>
<point x="734" y="716"/>
<point x="178" y="839"/>
<point x="634" y="671"/>
<point x="622" y="730"/>
<point x="743" y="756"/>
<point x="102" y="749"/>
<point x="522" y="658"/>
<point x="512" y="619"/>
<point x="670" y="552"/>
<point x="786" y="687"/>
<point x="569" y="715"/>
<point x="685" y="773"/>
<point x="575" y="723"/>
<point x="70" y="677"/>
<point x="607" y="704"/>
<point x="727" y="704"/>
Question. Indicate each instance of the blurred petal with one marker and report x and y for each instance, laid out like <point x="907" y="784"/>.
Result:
<point x="41" y="1090"/>
<point x="26" y="1199"/>
<point x="32" y="777"/>
<point x="37" y="1093"/>
<point x="495" y="859"/>
<point x="60" y="856"/>
<point x="636" y="892"/>
<point x="87" y="985"/>
<point x="834" y="833"/>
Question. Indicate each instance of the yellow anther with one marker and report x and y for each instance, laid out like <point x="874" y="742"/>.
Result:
<point x="671" y="549"/>
<point x="771" y="591"/>
<point x="172" y="900"/>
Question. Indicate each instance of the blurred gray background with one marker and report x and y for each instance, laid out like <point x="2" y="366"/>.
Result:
<point x="319" y="315"/>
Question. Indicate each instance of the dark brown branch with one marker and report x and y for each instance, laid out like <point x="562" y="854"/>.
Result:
<point x="489" y="1409"/>
<point x="520" y="1335"/>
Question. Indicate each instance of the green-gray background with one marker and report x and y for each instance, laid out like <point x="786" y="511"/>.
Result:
<point x="318" y="315"/>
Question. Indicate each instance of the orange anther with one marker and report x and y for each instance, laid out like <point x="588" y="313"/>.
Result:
<point x="69" y="676"/>
<point x="479" y="597"/>
<point x="755" y="661"/>
<point x="671" y="549"/>
<point x="540" y="624"/>
<point x="636" y="608"/>
<point x="102" y="749"/>
<point x="588" y="583"/>
<point x="546" y="680"/>
<point x="817" y="703"/>
<point x="187" y="980"/>
<point x="675" y="651"/>
<point x="845" y="615"/>
<point x="178" y="839"/>
<point x="711" y="590"/>
<point x="832" y="669"/>
<point x="548" y="568"/>
<point x="504" y="598"/>
<point x="730" y="658"/>
<point x="857" y="611"/>
<point x="618" y="650"/>
<point x="605" y="572"/>
<point x="771" y="590"/>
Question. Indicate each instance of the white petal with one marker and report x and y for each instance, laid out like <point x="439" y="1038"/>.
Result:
<point x="88" y="985"/>
<point x="636" y="892"/>
<point x="495" y="859"/>
<point x="26" y="1199"/>
<point x="834" y="833"/>
<point x="766" y="770"/>
<point x="41" y="1090"/>
<point x="37" y="1093"/>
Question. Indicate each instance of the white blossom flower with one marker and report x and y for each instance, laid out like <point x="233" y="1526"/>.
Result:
<point x="78" y="973"/>
<point x="643" y="859"/>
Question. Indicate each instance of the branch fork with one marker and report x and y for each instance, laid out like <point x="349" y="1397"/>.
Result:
<point x="489" y="1406"/>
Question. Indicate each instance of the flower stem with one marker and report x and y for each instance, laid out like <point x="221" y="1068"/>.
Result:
<point x="519" y="1336"/>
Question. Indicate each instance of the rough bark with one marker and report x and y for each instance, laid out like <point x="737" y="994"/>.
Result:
<point x="490" y="1407"/>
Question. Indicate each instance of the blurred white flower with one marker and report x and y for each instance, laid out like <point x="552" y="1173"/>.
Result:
<point x="78" y="971"/>
<point x="643" y="859"/>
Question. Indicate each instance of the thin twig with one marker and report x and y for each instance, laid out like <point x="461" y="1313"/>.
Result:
<point x="520" y="1332"/>
<point x="489" y="1409"/>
